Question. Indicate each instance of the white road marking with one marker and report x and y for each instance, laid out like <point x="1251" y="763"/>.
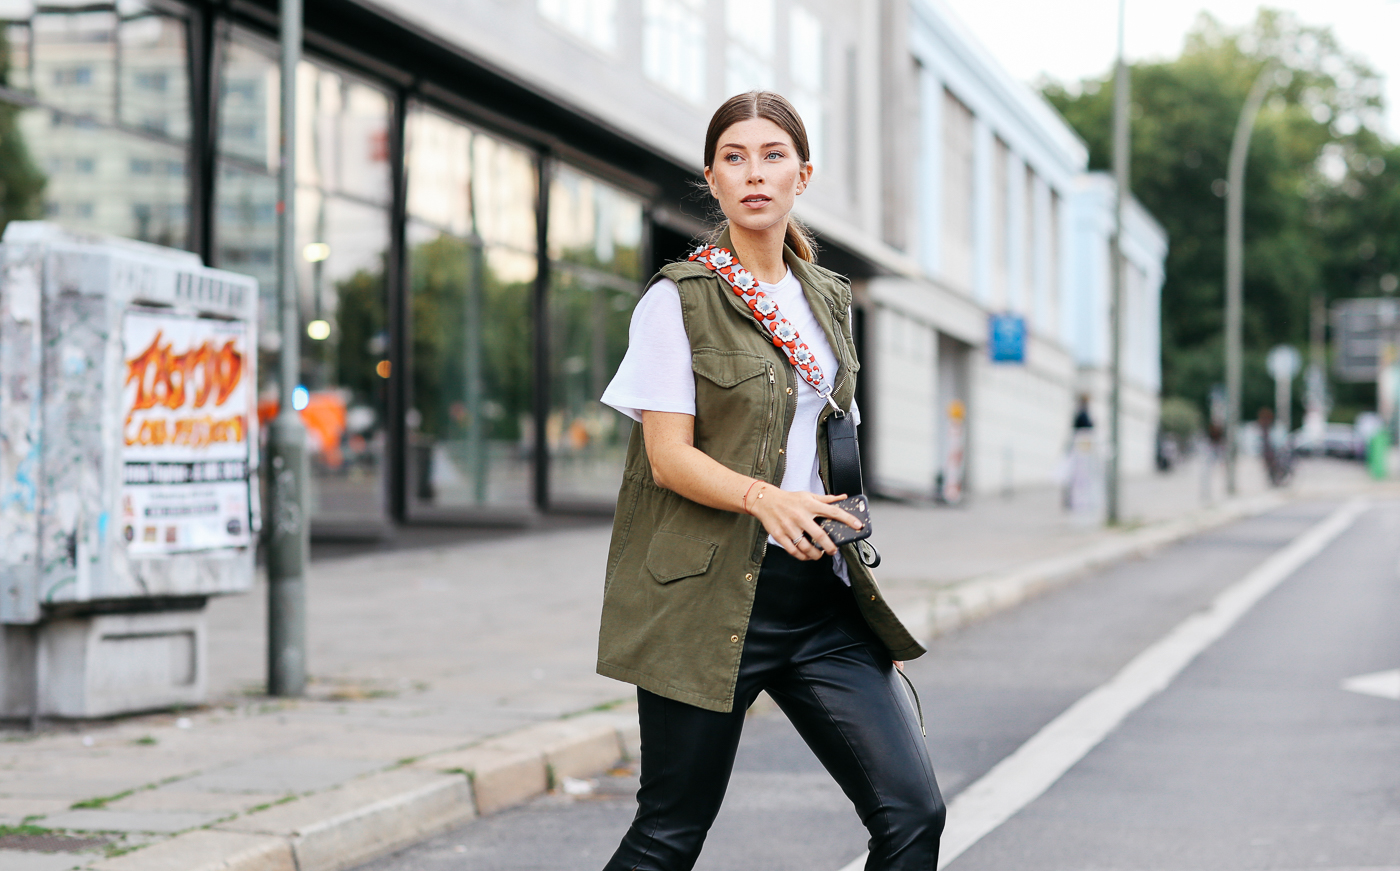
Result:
<point x="1023" y="776"/>
<point x="1385" y="684"/>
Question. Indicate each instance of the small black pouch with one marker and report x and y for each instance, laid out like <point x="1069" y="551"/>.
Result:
<point x="840" y="533"/>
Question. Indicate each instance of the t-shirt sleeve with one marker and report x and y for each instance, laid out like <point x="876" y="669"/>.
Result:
<point x="655" y="374"/>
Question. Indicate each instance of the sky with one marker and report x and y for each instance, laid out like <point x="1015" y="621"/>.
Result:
<point x="1071" y="39"/>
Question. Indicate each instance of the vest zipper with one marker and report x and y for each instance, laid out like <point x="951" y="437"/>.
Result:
<point x="768" y="429"/>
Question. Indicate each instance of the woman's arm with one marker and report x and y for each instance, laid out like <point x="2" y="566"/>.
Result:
<point x="680" y="467"/>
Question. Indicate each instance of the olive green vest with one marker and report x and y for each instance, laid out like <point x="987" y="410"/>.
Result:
<point x="681" y="576"/>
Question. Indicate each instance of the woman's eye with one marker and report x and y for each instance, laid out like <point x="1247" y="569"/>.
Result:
<point x="732" y="157"/>
<point x="775" y="155"/>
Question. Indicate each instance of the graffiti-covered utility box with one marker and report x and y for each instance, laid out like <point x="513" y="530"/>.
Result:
<point x="128" y="468"/>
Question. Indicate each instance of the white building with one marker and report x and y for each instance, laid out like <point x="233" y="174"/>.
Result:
<point x="1001" y="217"/>
<point x="489" y="183"/>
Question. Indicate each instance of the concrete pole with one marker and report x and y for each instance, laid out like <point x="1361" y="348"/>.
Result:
<point x="1234" y="269"/>
<point x="287" y="540"/>
<point x="1115" y="307"/>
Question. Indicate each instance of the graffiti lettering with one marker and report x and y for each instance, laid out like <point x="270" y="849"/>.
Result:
<point x="169" y="379"/>
<point x="190" y="432"/>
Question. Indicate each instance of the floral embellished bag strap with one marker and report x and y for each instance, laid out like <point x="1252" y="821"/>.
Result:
<point x="770" y="320"/>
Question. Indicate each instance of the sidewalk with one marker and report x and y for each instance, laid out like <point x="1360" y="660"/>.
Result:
<point x="420" y="657"/>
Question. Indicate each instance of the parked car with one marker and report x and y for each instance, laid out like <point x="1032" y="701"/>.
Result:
<point x="1335" y="440"/>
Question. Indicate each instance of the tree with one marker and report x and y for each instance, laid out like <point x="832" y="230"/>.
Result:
<point x="1323" y="108"/>
<point x="21" y="182"/>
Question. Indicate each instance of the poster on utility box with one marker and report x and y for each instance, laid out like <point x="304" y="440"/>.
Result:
<point x="185" y="412"/>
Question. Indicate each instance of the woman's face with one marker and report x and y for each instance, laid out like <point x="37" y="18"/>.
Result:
<point x="756" y="173"/>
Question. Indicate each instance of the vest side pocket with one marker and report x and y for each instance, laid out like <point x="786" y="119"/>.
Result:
<point x="673" y="556"/>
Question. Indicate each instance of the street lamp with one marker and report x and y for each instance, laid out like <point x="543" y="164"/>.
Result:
<point x="1234" y="265"/>
<point x="287" y="540"/>
<point x="1115" y="306"/>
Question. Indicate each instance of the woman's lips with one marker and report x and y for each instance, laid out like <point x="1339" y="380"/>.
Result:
<point x="756" y="201"/>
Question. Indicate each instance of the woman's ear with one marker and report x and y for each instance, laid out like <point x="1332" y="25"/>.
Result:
<point x="710" y="181"/>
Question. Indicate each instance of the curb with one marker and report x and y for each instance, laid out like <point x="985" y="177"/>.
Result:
<point x="389" y="810"/>
<point x="386" y="811"/>
<point x="966" y="602"/>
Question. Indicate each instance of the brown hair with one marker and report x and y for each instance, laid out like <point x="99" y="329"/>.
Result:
<point x="772" y="107"/>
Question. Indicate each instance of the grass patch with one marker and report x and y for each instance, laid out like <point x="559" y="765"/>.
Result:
<point x="598" y="709"/>
<point x="146" y="741"/>
<point x="23" y="829"/>
<point x="101" y="801"/>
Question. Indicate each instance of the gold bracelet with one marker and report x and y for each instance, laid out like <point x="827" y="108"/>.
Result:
<point x="745" y="501"/>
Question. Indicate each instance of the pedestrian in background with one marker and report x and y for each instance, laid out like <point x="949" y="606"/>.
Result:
<point x="720" y="581"/>
<point x="1081" y="476"/>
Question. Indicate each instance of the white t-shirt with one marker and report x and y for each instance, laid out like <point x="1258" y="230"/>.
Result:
<point x="656" y="374"/>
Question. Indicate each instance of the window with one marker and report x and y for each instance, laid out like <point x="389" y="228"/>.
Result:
<point x="342" y="236"/>
<point x="595" y="237"/>
<point x="151" y="81"/>
<point x="751" y="29"/>
<point x="807" y="68"/>
<point x="593" y="21"/>
<point x="1030" y="249"/>
<point x="958" y="186"/>
<point x="1001" y="295"/>
<point x="472" y="266"/>
<point x="75" y="63"/>
<point x="673" y="46"/>
<point x="1052" y="266"/>
<point x="72" y="76"/>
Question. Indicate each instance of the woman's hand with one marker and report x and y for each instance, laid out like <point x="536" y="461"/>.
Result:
<point x="790" y="517"/>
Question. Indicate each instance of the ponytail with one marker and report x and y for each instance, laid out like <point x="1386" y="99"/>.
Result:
<point x="800" y="240"/>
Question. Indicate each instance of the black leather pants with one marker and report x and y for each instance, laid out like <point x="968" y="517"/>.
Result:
<point x="808" y="646"/>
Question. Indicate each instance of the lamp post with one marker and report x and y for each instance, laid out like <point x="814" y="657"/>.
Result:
<point x="287" y="539"/>
<point x="1115" y="306"/>
<point x="1234" y="268"/>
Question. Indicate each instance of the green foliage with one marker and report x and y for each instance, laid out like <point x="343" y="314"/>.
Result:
<point x="1180" y="417"/>
<point x="450" y="280"/>
<point x="21" y="182"/>
<point x="362" y="338"/>
<point x="1305" y="230"/>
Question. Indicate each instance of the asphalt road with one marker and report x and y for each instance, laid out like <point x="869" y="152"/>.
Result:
<point x="1254" y="757"/>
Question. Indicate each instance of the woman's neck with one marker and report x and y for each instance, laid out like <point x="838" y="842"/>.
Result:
<point x="761" y="251"/>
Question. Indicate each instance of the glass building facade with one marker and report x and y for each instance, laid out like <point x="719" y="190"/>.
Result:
<point x="464" y="284"/>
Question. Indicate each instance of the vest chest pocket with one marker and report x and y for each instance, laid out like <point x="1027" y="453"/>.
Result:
<point x="727" y="369"/>
<point x="735" y="406"/>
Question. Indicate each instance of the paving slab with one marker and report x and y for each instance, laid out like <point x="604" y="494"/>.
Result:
<point x="280" y="775"/>
<point x="102" y="820"/>
<point x="172" y="798"/>
<point x="18" y="860"/>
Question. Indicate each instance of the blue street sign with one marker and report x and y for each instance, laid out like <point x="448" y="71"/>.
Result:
<point x="1007" y="339"/>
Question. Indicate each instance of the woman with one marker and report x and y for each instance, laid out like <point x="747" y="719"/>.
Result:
<point x="720" y="582"/>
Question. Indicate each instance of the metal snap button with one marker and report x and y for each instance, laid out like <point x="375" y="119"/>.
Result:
<point x="733" y="639"/>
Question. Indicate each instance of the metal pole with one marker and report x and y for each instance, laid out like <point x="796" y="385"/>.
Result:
<point x="1234" y="269"/>
<point x="1115" y="306"/>
<point x="287" y="540"/>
